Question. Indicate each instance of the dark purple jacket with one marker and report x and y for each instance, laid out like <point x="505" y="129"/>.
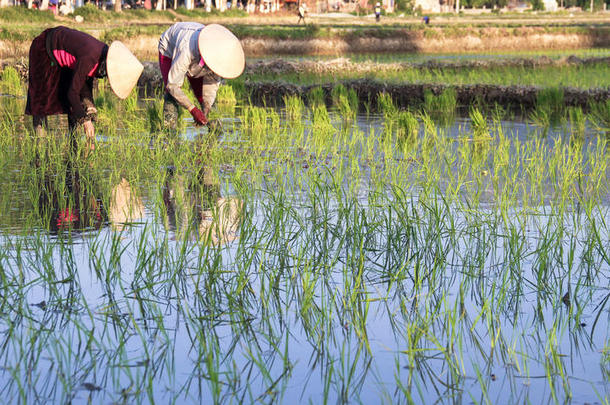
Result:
<point x="82" y="54"/>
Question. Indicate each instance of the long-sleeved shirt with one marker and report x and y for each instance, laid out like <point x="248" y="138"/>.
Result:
<point x="180" y="43"/>
<point x="81" y="53"/>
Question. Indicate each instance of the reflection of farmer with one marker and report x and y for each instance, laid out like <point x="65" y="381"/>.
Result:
<point x="63" y="63"/>
<point x="204" y="55"/>
<point x="199" y="207"/>
<point x="377" y="11"/>
<point x="71" y="204"/>
<point x="74" y="203"/>
<point x="301" y="12"/>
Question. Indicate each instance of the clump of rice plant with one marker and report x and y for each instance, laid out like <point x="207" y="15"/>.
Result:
<point x="441" y="108"/>
<point x="294" y="107"/>
<point x="549" y="109"/>
<point x="540" y="118"/>
<point x="10" y="83"/>
<point x="260" y="120"/>
<point x="340" y="91"/>
<point x="316" y="97"/>
<point x="498" y="113"/>
<point x="407" y="126"/>
<point x="226" y="95"/>
<point x="386" y="105"/>
<point x="154" y="114"/>
<point x="577" y="121"/>
<point x="480" y="128"/>
<point x="600" y="115"/>
<point x="320" y="115"/>
<point x="131" y="103"/>
<point x="346" y="101"/>
<point x="104" y="98"/>
<point x="345" y="109"/>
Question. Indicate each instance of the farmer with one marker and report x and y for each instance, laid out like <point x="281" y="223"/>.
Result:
<point x="302" y="11"/>
<point x="377" y="11"/>
<point x="63" y="64"/>
<point x="204" y="54"/>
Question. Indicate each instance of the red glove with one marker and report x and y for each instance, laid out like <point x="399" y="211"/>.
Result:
<point x="199" y="116"/>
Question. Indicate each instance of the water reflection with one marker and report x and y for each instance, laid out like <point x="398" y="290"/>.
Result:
<point x="195" y="208"/>
<point x="125" y="205"/>
<point x="72" y="201"/>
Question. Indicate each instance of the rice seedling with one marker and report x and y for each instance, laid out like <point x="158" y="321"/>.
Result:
<point x="10" y="82"/>
<point x="226" y="95"/>
<point x="480" y="128"/>
<point x="294" y="107"/>
<point x="549" y="108"/>
<point x="600" y="115"/>
<point x="577" y="121"/>
<point x="345" y="101"/>
<point x="316" y="96"/>
<point x="408" y="126"/>
<point x="386" y="105"/>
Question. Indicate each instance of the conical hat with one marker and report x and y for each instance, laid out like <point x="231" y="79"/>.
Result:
<point x="123" y="69"/>
<point x="221" y="51"/>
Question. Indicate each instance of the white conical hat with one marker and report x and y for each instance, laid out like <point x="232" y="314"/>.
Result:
<point x="123" y="69"/>
<point x="221" y="51"/>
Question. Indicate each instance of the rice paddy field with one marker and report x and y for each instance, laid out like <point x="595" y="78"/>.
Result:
<point x="314" y="252"/>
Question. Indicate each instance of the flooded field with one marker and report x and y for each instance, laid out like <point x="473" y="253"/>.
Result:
<point x="308" y="253"/>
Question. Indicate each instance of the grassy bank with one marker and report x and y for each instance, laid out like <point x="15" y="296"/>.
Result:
<point x="584" y="77"/>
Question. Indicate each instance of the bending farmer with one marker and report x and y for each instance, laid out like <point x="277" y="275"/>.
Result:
<point x="204" y="54"/>
<point x="63" y="63"/>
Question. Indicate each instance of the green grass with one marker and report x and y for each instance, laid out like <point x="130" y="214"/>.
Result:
<point x="10" y="82"/>
<point x="589" y="76"/>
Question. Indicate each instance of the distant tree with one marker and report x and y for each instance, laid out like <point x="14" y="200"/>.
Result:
<point x="406" y="6"/>
<point x="537" y="5"/>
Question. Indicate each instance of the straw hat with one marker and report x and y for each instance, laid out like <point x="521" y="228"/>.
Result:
<point x="123" y="69"/>
<point x="221" y="51"/>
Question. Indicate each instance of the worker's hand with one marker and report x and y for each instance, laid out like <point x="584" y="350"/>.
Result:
<point x="89" y="130"/>
<point x="90" y="133"/>
<point x="198" y="116"/>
